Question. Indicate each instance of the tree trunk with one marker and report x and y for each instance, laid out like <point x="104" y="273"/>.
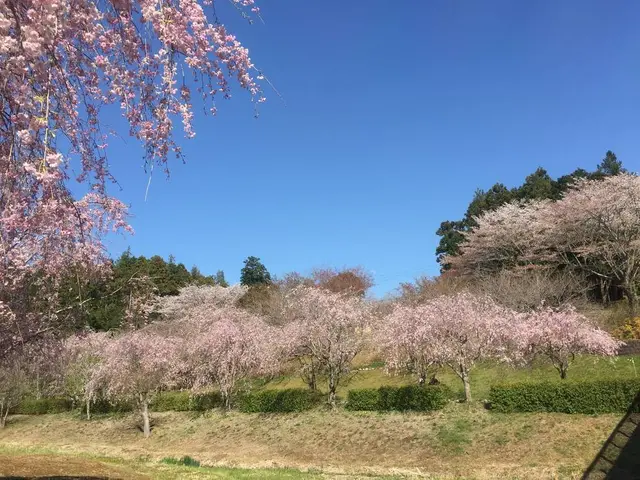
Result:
<point x="144" y="409"/>
<point x="604" y="291"/>
<point x="88" y="408"/>
<point x="3" y="414"/>
<point x="563" y="371"/>
<point x="333" y="385"/>
<point x="633" y="299"/>
<point x="313" y="383"/>
<point x="464" y="374"/>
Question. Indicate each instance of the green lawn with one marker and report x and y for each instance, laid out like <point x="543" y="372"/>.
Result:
<point x="485" y="375"/>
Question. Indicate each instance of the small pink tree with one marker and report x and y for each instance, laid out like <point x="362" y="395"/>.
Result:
<point x="409" y="341"/>
<point x="137" y="365"/>
<point x="561" y="334"/>
<point x="327" y="331"/>
<point x="469" y="329"/>
<point x="13" y="386"/>
<point x="227" y="345"/>
<point x="82" y="356"/>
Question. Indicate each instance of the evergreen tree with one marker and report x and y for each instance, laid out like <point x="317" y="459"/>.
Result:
<point x="254" y="273"/>
<point x="220" y="280"/>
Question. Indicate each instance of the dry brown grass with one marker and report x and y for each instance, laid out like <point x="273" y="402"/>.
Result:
<point x="461" y="441"/>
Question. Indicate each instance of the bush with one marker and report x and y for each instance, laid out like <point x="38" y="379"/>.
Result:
<point x="186" y="461"/>
<point x="102" y="405"/>
<point x="408" y="398"/>
<point x="363" y="399"/>
<point x="589" y="397"/>
<point x="184" y="401"/>
<point x="279" y="401"/>
<point x="41" y="406"/>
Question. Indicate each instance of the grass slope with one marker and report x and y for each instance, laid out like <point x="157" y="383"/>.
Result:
<point x="460" y="442"/>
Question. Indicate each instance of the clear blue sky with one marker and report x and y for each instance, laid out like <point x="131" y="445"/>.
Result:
<point x="396" y="111"/>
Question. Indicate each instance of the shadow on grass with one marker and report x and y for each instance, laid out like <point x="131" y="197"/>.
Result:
<point x="619" y="457"/>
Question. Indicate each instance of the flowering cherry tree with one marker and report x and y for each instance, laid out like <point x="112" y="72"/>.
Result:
<point x="197" y="300"/>
<point x="508" y="237"/>
<point x="61" y="62"/>
<point x="137" y="365"/>
<point x="409" y="341"/>
<point x="13" y="386"/>
<point x="561" y="334"/>
<point x="471" y="328"/>
<point x="82" y="356"/>
<point x="227" y="345"/>
<point x="327" y="331"/>
<point x="595" y="228"/>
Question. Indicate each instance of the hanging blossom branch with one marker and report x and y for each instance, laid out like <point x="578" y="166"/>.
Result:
<point x="60" y="63"/>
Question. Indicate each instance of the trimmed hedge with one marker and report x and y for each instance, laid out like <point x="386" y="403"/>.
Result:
<point x="41" y="406"/>
<point x="179" y="401"/>
<point x="185" y="401"/>
<point x="589" y="397"/>
<point x="279" y="401"/>
<point x="408" y="398"/>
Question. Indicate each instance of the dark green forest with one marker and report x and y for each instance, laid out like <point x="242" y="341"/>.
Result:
<point x="102" y="303"/>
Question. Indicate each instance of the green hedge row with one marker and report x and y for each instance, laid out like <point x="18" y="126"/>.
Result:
<point x="185" y="401"/>
<point x="41" y="406"/>
<point x="590" y="397"/>
<point x="412" y="397"/>
<point x="179" y="401"/>
<point x="279" y="401"/>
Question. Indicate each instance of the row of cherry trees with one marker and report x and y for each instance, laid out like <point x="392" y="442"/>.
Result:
<point x="205" y="341"/>
<point x="458" y="331"/>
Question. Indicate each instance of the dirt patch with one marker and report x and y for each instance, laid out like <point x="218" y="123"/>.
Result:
<point x="33" y="465"/>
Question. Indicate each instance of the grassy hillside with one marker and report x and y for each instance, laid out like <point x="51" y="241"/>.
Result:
<point x="463" y="441"/>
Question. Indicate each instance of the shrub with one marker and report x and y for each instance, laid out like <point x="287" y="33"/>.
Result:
<point x="102" y="405"/>
<point x="363" y="399"/>
<point x="184" y="401"/>
<point x="205" y="401"/>
<point x="408" y="398"/>
<point x="179" y="401"/>
<point x="589" y="397"/>
<point x="186" y="461"/>
<point x="41" y="406"/>
<point x="279" y="401"/>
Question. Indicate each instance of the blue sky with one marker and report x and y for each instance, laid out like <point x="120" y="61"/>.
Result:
<point x="396" y="111"/>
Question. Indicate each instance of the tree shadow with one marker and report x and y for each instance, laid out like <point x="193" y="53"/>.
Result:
<point x="619" y="457"/>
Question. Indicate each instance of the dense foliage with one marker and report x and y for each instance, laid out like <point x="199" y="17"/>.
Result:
<point x="279" y="401"/>
<point x="125" y="294"/>
<point x="408" y="398"/>
<point x="589" y="397"/>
